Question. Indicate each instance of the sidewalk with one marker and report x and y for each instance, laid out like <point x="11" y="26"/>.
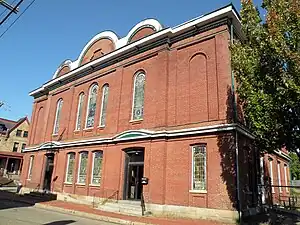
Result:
<point x="89" y="212"/>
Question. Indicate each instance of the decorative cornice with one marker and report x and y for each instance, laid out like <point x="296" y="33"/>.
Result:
<point x="134" y="135"/>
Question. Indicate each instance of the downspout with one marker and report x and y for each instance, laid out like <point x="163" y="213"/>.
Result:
<point x="236" y="133"/>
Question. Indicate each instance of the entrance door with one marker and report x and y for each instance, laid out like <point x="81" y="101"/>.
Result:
<point x="134" y="172"/>
<point x="48" y="171"/>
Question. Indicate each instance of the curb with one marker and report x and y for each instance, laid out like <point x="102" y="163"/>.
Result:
<point x="89" y="215"/>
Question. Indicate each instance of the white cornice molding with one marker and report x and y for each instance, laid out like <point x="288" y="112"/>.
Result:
<point x="122" y="46"/>
<point x="133" y="135"/>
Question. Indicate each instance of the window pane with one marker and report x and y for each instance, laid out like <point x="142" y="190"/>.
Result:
<point x="199" y="167"/>
<point x="19" y="132"/>
<point x="138" y="101"/>
<point x="16" y="146"/>
<point x="104" y="104"/>
<point x="25" y="134"/>
<point x="57" y="116"/>
<point x="97" y="168"/>
<point x="30" y="167"/>
<point x="92" y="106"/>
<point x="70" y="167"/>
<point x="79" y="111"/>
<point x="82" y="167"/>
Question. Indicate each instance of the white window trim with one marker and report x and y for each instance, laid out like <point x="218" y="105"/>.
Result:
<point x="78" y="108"/>
<point x="87" y="109"/>
<point x="60" y="101"/>
<point x="102" y="101"/>
<point x="67" y="170"/>
<point x="133" y="97"/>
<point x="279" y="177"/>
<point x="285" y="178"/>
<point x="262" y="171"/>
<point x="78" y="173"/>
<point x="271" y="175"/>
<point x="192" y="190"/>
<point x="30" y="167"/>
<point x="92" y="177"/>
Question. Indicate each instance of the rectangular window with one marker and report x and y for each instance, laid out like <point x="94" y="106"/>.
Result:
<point x="25" y="134"/>
<point x="271" y="175"/>
<point x="29" y="176"/>
<point x="16" y="146"/>
<point x="18" y="133"/>
<point x="70" y="167"/>
<point x="285" y="178"/>
<point x="97" y="168"/>
<point x="279" y="177"/>
<point x="23" y="146"/>
<point x="83" y="160"/>
<point x="199" y="167"/>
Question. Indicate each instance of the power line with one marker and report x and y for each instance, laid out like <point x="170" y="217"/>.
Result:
<point x="6" y="9"/>
<point x="17" y="18"/>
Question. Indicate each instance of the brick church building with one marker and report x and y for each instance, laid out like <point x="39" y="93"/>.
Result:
<point x="157" y="103"/>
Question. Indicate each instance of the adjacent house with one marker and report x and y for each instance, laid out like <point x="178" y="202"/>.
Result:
<point x="148" y="117"/>
<point x="13" y="140"/>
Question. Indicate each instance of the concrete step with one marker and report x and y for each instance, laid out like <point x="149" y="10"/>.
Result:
<point x="123" y="207"/>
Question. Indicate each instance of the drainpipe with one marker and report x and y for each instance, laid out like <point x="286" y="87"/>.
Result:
<point x="236" y="133"/>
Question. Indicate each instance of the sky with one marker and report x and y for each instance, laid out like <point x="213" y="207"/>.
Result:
<point x="50" y="32"/>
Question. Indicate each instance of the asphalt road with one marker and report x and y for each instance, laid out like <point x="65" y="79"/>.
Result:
<point x="21" y="214"/>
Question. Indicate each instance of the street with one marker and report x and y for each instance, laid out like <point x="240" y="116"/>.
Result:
<point x="22" y="214"/>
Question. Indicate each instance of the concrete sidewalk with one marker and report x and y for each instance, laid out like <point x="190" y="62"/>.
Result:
<point x="89" y="212"/>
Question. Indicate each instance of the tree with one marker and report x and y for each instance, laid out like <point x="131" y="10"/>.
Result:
<point x="266" y="63"/>
<point x="294" y="166"/>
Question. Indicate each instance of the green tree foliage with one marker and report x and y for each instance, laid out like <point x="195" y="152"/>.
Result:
<point x="294" y="166"/>
<point x="266" y="63"/>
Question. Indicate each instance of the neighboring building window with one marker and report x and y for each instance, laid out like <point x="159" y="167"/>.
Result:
<point x="19" y="132"/>
<point x="29" y="176"/>
<point x="25" y="134"/>
<point x="91" y="109"/>
<point x="271" y="174"/>
<point x="199" y="167"/>
<point x="16" y="146"/>
<point x="70" y="167"/>
<point x="23" y="146"/>
<point x="79" y="111"/>
<point x="57" y="116"/>
<point x="279" y="177"/>
<point x="285" y="178"/>
<point x="105" y="89"/>
<point x="97" y="167"/>
<point x="138" y="96"/>
<point x="83" y="160"/>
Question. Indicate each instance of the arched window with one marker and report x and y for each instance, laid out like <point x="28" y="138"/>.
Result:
<point x="70" y="167"/>
<point x="29" y="176"/>
<point x="57" y="116"/>
<point x="138" y="96"/>
<point x="79" y="111"/>
<point x="97" y="167"/>
<point x="82" y="168"/>
<point x="91" y="108"/>
<point x="105" y="90"/>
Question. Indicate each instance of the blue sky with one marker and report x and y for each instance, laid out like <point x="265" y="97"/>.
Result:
<point x="52" y="31"/>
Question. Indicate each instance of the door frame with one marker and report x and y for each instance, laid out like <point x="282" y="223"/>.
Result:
<point x="47" y="155"/>
<point x="126" y="169"/>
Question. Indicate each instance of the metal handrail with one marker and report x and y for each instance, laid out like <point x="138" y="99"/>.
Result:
<point x="143" y="204"/>
<point x="102" y="193"/>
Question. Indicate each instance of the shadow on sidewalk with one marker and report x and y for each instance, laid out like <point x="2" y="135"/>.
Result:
<point x="14" y="200"/>
<point x="61" y="222"/>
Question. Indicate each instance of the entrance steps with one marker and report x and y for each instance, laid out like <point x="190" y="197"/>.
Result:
<point x="123" y="207"/>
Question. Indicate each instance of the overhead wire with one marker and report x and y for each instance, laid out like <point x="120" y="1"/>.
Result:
<point x="6" y="9"/>
<point x="7" y="29"/>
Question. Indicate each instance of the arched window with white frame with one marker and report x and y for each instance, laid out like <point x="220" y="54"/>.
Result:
<point x="91" y="107"/>
<point x="104" y="101"/>
<point x="138" y="96"/>
<point x="57" y="116"/>
<point x="82" y="167"/>
<point x="97" y="168"/>
<point x="70" y="167"/>
<point x="79" y="111"/>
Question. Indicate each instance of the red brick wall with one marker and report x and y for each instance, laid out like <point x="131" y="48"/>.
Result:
<point x="141" y="34"/>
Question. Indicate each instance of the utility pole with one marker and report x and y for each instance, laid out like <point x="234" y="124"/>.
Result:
<point x="12" y="9"/>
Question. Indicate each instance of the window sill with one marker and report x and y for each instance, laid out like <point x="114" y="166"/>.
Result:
<point x="54" y="135"/>
<point x="80" y="184"/>
<point x="88" y="129"/>
<point x="76" y="131"/>
<point x="198" y="191"/>
<point x="94" y="185"/>
<point x="68" y="183"/>
<point x="29" y="179"/>
<point x="136" y="121"/>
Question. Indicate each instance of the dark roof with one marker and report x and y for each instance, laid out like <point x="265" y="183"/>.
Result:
<point x="6" y="126"/>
